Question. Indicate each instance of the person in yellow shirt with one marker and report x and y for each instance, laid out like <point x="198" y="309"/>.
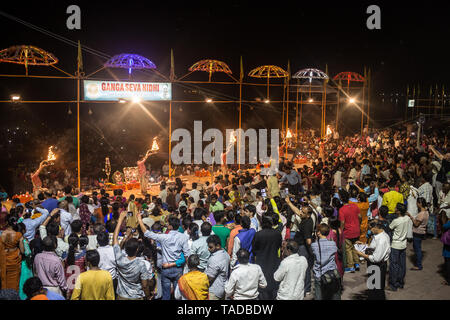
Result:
<point x="390" y="199"/>
<point x="94" y="284"/>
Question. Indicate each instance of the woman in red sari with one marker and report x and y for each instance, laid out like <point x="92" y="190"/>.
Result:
<point x="11" y="246"/>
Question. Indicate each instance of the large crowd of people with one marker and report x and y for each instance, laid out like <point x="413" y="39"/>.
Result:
<point x="286" y="235"/>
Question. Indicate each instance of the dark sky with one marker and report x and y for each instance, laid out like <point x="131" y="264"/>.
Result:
<point x="411" y="48"/>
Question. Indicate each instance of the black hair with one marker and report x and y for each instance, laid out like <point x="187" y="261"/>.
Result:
<point x="193" y="228"/>
<point x="85" y="199"/>
<point x="214" y="239"/>
<point x="103" y="239"/>
<point x="73" y="241"/>
<point x="267" y="222"/>
<point x="83" y="241"/>
<point x="68" y="189"/>
<point x="131" y="247"/>
<point x="53" y="229"/>
<point x="111" y="225"/>
<point x="186" y="222"/>
<point x="41" y="196"/>
<point x="383" y="211"/>
<point x="243" y="256"/>
<point x="104" y="205"/>
<point x="245" y="222"/>
<point x="32" y="286"/>
<point x="328" y="211"/>
<point x="343" y="195"/>
<point x="218" y="215"/>
<point x="402" y="208"/>
<point x="12" y="222"/>
<point x="238" y="219"/>
<point x="199" y="213"/>
<point x="206" y="228"/>
<point x="76" y="226"/>
<point x="49" y="243"/>
<point x="93" y="257"/>
<point x="174" y="222"/>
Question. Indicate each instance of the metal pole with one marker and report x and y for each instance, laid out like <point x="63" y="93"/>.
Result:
<point x="170" y="138"/>
<point x="287" y="114"/>
<point x="240" y="123"/>
<point x="296" y="118"/>
<point x="78" y="126"/>
<point x="338" y="104"/>
<point x="362" y="107"/>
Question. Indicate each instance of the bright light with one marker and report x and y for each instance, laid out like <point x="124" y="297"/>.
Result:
<point x="155" y="146"/>
<point x="289" y="134"/>
<point x="209" y="100"/>
<point x="352" y="100"/>
<point x="137" y="99"/>
<point x="310" y="100"/>
<point x="266" y="101"/>
<point x="15" y="97"/>
<point x="329" y="131"/>
<point x="122" y="100"/>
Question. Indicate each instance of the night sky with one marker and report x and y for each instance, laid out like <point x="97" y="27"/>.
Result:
<point x="411" y="48"/>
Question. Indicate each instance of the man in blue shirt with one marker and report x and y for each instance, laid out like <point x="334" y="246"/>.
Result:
<point x="173" y="244"/>
<point x="324" y="251"/>
<point x="32" y="224"/>
<point x="49" y="203"/>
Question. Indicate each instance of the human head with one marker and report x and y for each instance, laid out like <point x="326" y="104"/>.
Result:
<point x="193" y="262"/>
<point x="68" y="190"/>
<point x="206" y="229"/>
<point x="323" y="230"/>
<point x="174" y="223"/>
<point x="245" y="222"/>
<point x="383" y="212"/>
<point x="343" y="195"/>
<point x="213" y="243"/>
<point x="92" y="258"/>
<point x="400" y="209"/>
<point x="103" y="239"/>
<point x="219" y="216"/>
<point x="131" y="247"/>
<point x="243" y="256"/>
<point x="76" y="226"/>
<point x="250" y="210"/>
<point x="32" y="287"/>
<point x="421" y="203"/>
<point x="291" y="247"/>
<point x="48" y="244"/>
<point x="376" y="226"/>
<point x="266" y="222"/>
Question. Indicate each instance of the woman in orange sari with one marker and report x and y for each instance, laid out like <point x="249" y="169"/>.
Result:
<point x="11" y="256"/>
<point x="363" y="206"/>
<point x="194" y="285"/>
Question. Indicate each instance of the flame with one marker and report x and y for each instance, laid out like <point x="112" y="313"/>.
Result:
<point x="288" y="134"/>
<point x="155" y="146"/>
<point x="51" y="156"/>
<point x="329" y="130"/>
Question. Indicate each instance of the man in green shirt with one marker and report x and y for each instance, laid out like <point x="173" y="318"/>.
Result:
<point x="215" y="205"/>
<point x="219" y="229"/>
<point x="68" y="193"/>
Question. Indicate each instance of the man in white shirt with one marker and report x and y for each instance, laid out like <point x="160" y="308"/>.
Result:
<point x="194" y="193"/>
<point x="397" y="265"/>
<point x="291" y="274"/>
<point x="245" y="279"/>
<point x="65" y="217"/>
<point x="381" y="246"/>
<point x="107" y="257"/>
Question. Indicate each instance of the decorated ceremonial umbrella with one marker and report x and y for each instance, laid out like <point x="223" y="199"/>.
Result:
<point x="268" y="72"/>
<point x="27" y="55"/>
<point x="211" y="66"/>
<point x="129" y="61"/>
<point x="349" y="77"/>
